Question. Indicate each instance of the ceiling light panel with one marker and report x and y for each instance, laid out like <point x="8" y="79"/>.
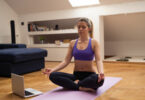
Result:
<point x="78" y="3"/>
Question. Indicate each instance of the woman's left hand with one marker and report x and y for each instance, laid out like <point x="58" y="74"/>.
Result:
<point x="100" y="77"/>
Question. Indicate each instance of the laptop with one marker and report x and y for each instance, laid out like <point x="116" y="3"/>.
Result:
<point x="18" y="87"/>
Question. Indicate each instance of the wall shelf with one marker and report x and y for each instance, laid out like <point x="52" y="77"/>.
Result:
<point x="62" y="45"/>
<point x="66" y="31"/>
<point x="52" y="35"/>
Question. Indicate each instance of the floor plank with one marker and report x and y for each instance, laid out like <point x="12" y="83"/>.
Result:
<point x="131" y="87"/>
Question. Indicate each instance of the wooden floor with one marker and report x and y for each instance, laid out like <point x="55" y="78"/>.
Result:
<point x="132" y="87"/>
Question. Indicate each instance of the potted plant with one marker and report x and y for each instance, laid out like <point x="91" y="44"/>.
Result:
<point x="41" y="39"/>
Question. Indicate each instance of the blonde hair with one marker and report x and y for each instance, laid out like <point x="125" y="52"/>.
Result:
<point x="89" y="24"/>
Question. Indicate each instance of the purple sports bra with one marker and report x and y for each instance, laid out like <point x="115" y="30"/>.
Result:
<point x="86" y="54"/>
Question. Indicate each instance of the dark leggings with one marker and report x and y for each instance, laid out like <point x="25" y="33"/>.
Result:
<point x="86" y="79"/>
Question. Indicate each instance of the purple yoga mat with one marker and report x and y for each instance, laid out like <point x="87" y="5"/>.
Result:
<point x="60" y="94"/>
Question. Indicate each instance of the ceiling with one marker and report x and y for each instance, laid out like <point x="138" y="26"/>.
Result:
<point x="34" y="6"/>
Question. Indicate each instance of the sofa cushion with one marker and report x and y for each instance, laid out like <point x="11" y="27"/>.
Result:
<point x="6" y="46"/>
<point x="21" y="54"/>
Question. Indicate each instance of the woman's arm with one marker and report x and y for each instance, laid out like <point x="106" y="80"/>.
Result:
<point x="67" y="59"/>
<point x="98" y="60"/>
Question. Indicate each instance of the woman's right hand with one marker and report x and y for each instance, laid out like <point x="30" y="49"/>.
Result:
<point x="47" y="71"/>
<point x="101" y="77"/>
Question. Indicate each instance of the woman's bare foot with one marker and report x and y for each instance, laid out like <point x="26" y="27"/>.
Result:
<point x="76" y="81"/>
<point x="86" y="89"/>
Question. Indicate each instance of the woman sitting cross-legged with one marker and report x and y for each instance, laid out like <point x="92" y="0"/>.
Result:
<point x="83" y="49"/>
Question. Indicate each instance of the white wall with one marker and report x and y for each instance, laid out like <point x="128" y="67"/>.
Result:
<point x="93" y="13"/>
<point x="57" y="15"/>
<point x="125" y="34"/>
<point x="7" y="14"/>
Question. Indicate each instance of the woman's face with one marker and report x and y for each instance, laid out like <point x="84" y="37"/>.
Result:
<point x="83" y="28"/>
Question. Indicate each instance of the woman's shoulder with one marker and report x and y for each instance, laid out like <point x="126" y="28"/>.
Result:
<point x="72" y="42"/>
<point x="94" y="42"/>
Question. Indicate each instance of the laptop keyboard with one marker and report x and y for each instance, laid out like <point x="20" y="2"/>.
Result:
<point x="28" y="93"/>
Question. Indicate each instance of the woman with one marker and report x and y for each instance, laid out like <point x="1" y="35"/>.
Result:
<point x="84" y="49"/>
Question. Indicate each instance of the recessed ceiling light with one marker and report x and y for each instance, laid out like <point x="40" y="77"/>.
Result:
<point x="78" y="3"/>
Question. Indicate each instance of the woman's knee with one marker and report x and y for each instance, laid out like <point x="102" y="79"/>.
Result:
<point x="53" y="75"/>
<point x="101" y="83"/>
<point x="95" y="77"/>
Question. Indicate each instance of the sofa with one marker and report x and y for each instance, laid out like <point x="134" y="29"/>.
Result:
<point x="18" y="59"/>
